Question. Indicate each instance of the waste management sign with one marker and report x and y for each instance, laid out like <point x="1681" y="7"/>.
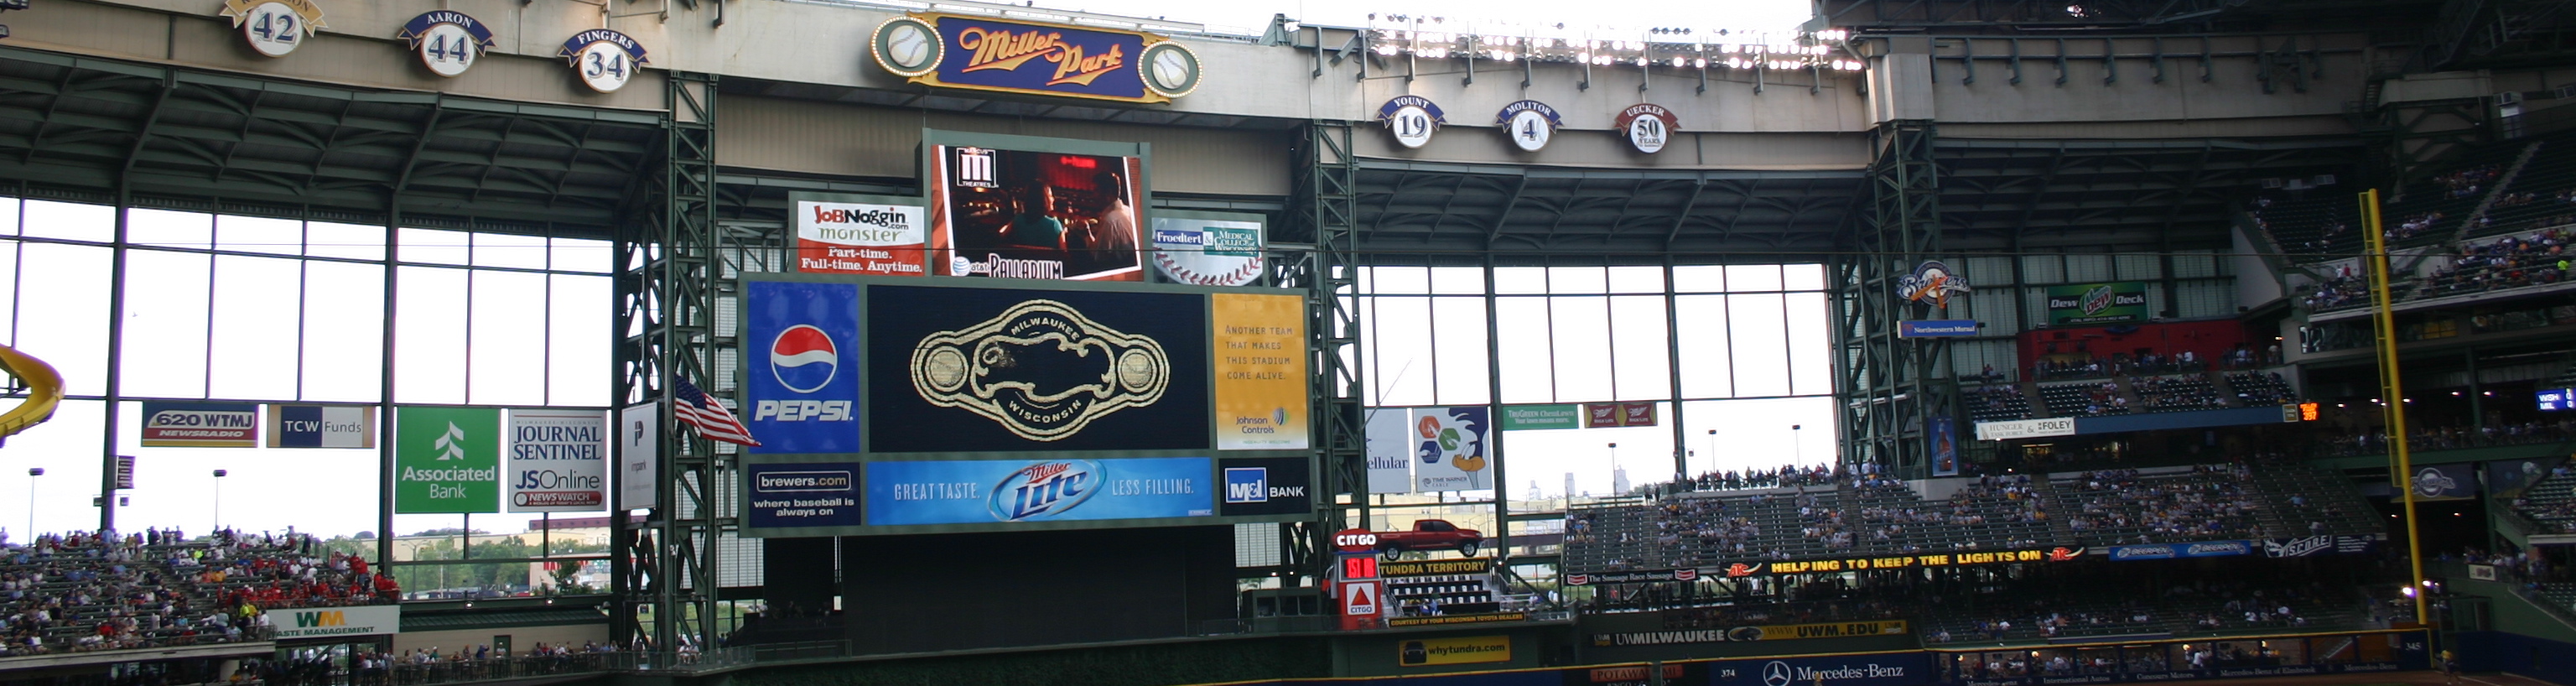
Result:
<point x="362" y="620"/>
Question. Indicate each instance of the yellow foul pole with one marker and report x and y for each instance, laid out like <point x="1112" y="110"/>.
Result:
<point x="2393" y="394"/>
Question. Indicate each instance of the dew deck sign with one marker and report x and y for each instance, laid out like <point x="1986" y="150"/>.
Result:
<point x="1030" y="491"/>
<point x="200" y="425"/>
<point x="800" y="495"/>
<point x="838" y="234"/>
<point x="957" y="369"/>
<point x="558" y="461"/>
<point x="2097" y="303"/>
<point x="1046" y="59"/>
<point x="447" y="460"/>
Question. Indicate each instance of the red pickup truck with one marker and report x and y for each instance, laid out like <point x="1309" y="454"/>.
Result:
<point x="1430" y="534"/>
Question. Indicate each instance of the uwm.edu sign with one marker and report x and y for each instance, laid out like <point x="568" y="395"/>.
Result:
<point x="365" y="620"/>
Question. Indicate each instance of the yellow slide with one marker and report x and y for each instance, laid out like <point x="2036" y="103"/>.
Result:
<point x="44" y="391"/>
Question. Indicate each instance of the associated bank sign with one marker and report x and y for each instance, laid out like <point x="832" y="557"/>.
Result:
<point x="363" y="620"/>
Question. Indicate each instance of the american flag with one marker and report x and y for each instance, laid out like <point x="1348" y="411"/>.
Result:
<point x="711" y="418"/>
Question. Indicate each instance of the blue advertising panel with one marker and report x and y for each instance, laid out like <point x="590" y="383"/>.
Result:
<point x="800" y="391"/>
<point x="786" y="496"/>
<point x="967" y="369"/>
<point x="2556" y="399"/>
<point x="2445" y="482"/>
<point x="1945" y="445"/>
<point x="1040" y="58"/>
<point x="1012" y="491"/>
<point x="1936" y="328"/>
<point x="2168" y="551"/>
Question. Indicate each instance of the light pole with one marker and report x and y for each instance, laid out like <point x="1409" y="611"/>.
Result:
<point x="1710" y="466"/>
<point x="30" y="533"/>
<point x="1797" y="448"/>
<point x="219" y="499"/>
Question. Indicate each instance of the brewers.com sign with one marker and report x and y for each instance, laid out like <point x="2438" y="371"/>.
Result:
<point x="363" y="620"/>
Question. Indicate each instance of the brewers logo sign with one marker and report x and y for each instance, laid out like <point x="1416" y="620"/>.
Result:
<point x="1048" y="59"/>
<point x="963" y="369"/>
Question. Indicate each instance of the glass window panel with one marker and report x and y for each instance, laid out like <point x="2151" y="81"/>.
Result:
<point x="170" y="229"/>
<point x="260" y="234"/>
<point x="1400" y="280"/>
<point x="9" y="288"/>
<point x="429" y="335"/>
<point x="349" y="241"/>
<point x="1460" y="353"/>
<point x="344" y="344"/>
<point x="584" y="255"/>
<point x="255" y="326"/>
<point x="1699" y="278"/>
<point x="1636" y="279"/>
<point x="322" y="491"/>
<point x="69" y="221"/>
<point x="1577" y="280"/>
<point x="59" y="500"/>
<point x="507" y="352"/>
<point x="1582" y="355"/>
<point x="1520" y="280"/>
<point x="8" y="216"/>
<point x="1804" y="277"/>
<point x="1811" y="369"/>
<point x="67" y="325"/>
<point x="1641" y="353"/>
<point x="1759" y="338"/>
<point x="1757" y="434"/>
<point x="1524" y="356"/>
<point x="165" y="333"/>
<point x="432" y="246"/>
<point x="1756" y="277"/>
<point x="577" y="368"/>
<point x="1705" y="356"/>
<point x="1458" y="280"/>
<point x="509" y="250"/>
<point x="1400" y="330"/>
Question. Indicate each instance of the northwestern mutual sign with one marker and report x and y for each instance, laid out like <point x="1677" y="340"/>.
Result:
<point x="1932" y="328"/>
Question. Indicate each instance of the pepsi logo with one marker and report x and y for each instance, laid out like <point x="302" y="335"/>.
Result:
<point x="804" y="359"/>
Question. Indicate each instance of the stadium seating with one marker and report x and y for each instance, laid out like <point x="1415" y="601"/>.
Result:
<point x="2068" y="400"/>
<point x="2541" y="196"/>
<point x="1997" y="403"/>
<point x="2158" y="505"/>
<point x="2321" y="224"/>
<point x="79" y="593"/>
<point x="2176" y="393"/>
<point x="2551" y="502"/>
<point x="2260" y="389"/>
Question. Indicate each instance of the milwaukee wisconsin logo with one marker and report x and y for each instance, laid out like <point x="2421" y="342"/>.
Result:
<point x="1041" y="369"/>
<point x="1005" y="50"/>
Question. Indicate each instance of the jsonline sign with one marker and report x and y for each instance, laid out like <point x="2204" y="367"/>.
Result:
<point x="558" y="461"/>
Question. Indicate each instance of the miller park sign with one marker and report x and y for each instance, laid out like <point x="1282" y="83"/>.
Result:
<point x="981" y="53"/>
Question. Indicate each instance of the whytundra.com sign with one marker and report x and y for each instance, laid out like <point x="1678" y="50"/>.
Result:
<point x="364" y="620"/>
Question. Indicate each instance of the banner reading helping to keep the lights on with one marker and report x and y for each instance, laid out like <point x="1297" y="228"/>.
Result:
<point x="558" y="461"/>
<point x="447" y="460"/>
<point x="1259" y="346"/>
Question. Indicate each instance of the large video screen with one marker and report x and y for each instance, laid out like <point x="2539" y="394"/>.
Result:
<point x="1028" y="214"/>
<point x="986" y="369"/>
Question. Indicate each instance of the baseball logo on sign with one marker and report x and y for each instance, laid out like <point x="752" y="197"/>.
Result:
<point x="1207" y="252"/>
<point x="447" y="41"/>
<point x="1647" y="127"/>
<point x="605" y="58"/>
<point x="1412" y="118"/>
<point x="274" y="27"/>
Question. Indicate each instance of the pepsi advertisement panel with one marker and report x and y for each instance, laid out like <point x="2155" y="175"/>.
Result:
<point x="801" y="395"/>
<point x="792" y="496"/>
<point x="1264" y="486"/>
<point x="1023" y="491"/>
<point x="964" y="369"/>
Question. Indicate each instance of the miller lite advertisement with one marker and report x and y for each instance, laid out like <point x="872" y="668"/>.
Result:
<point x="1023" y="214"/>
<point x="801" y="376"/>
<point x="848" y="234"/>
<point x="1024" y="491"/>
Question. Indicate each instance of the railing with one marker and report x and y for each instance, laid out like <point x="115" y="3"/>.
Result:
<point x="494" y="669"/>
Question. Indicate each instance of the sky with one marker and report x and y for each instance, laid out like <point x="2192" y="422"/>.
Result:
<point x="262" y="328"/>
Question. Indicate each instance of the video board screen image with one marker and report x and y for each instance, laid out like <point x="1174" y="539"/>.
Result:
<point x="984" y="369"/>
<point x="1037" y="215"/>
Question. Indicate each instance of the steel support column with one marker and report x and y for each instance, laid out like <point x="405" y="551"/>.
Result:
<point x="1892" y="385"/>
<point x="1325" y="206"/>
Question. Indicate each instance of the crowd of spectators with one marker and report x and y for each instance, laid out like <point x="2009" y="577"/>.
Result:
<point x="1786" y="475"/>
<point x="2125" y="507"/>
<point x="2174" y="393"/>
<point x="2467" y="182"/>
<point x="2538" y="258"/>
<point x="2118" y="364"/>
<point x="82" y="591"/>
<point x="2253" y="389"/>
<point x="2453" y="437"/>
<point x="2342" y="290"/>
<point x="2412" y="226"/>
